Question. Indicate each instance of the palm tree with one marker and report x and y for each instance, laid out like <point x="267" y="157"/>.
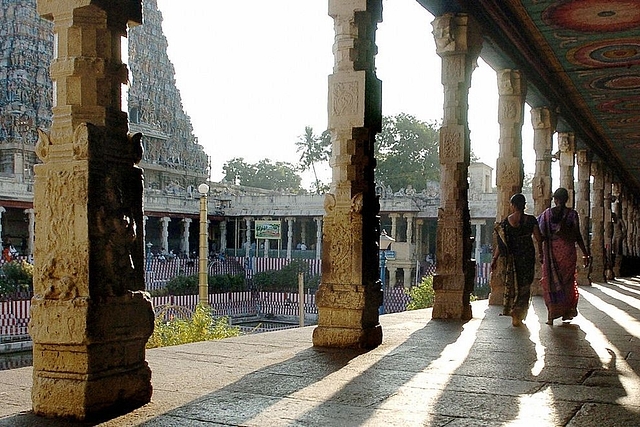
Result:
<point x="313" y="148"/>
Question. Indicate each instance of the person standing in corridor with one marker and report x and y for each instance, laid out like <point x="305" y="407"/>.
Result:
<point x="515" y="244"/>
<point x="560" y="229"/>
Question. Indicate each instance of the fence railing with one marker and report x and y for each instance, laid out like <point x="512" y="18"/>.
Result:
<point x="14" y="314"/>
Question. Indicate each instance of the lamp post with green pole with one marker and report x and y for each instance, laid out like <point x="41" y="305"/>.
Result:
<point x="203" y="286"/>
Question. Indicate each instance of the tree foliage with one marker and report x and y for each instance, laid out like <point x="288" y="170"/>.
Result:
<point x="264" y="174"/>
<point x="407" y="152"/>
<point x="314" y="149"/>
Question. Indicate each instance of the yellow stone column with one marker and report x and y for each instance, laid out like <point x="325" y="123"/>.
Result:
<point x="583" y="207"/>
<point x="608" y="224"/>
<point x="598" y="252"/>
<point x="544" y="122"/>
<point x="90" y="316"/>
<point x="458" y="43"/>
<point x="350" y="291"/>
<point x="512" y="90"/>
<point x="567" y="148"/>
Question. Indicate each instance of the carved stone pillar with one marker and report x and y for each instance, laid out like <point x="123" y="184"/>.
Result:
<point x="544" y="122"/>
<point x="409" y="218"/>
<point x="608" y="224"/>
<point x="619" y="228"/>
<point x="406" y="271"/>
<point x="598" y="252"/>
<point x="184" y="241"/>
<point x="393" y="271"/>
<point x="626" y="214"/>
<point x="303" y="231"/>
<point x="350" y="291"/>
<point x="394" y="225"/>
<point x="512" y="89"/>
<point x="90" y="318"/>
<point x="478" y="224"/>
<point x="247" y="243"/>
<point x="567" y="148"/>
<point x="164" y="233"/>
<point x="289" y="236"/>
<point x="318" y="237"/>
<point x="419" y="233"/>
<point x="223" y="236"/>
<point x="458" y="43"/>
<point x="2" y="211"/>
<point x="583" y="207"/>
<point x="32" y="230"/>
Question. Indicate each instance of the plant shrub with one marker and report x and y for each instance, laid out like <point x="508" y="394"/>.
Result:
<point x="202" y="326"/>
<point x="423" y="295"/>
<point x="286" y="278"/>
<point x="188" y="285"/>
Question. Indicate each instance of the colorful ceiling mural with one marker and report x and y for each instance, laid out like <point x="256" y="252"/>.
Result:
<point x="582" y="56"/>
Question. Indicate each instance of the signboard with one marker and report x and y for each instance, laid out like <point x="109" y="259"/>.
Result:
<point x="268" y="229"/>
<point x="391" y="255"/>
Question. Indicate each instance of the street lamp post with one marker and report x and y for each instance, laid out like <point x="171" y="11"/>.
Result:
<point x="203" y="286"/>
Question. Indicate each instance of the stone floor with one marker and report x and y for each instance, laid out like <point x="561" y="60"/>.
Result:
<point x="426" y="373"/>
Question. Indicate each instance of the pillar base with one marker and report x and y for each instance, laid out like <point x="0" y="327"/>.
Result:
<point x="89" y="357"/>
<point x="340" y="337"/>
<point x="449" y="305"/>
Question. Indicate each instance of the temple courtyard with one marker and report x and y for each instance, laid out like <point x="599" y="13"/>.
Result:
<point x="426" y="373"/>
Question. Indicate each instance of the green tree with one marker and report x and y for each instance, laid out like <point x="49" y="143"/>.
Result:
<point x="407" y="152"/>
<point x="314" y="149"/>
<point x="264" y="174"/>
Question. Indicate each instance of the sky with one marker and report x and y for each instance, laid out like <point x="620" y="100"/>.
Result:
<point x="252" y="74"/>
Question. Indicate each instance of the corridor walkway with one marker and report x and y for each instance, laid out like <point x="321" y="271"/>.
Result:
<point x="426" y="373"/>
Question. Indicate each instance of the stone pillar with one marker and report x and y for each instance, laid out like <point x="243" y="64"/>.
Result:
<point x="350" y="291"/>
<point x="598" y="252"/>
<point x="394" y="225"/>
<point x="626" y="214"/>
<point x="419" y="232"/>
<point x="567" y="148"/>
<point x="512" y="89"/>
<point x="409" y="218"/>
<point x="407" y="277"/>
<point x="478" y="238"/>
<point x="289" y="236"/>
<point x="458" y="43"/>
<point x="318" y="237"/>
<point x="392" y="276"/>
<point x="583" y="207"/>
<point x="608" y="224"/>
<point x="32" y="230"/>
<point x="303" y="231"/>
<point x="2" y="211"/>
<point x="184" y="241"/>
<point x="223" y="236"/>
<point x="247" y="234"/>
<point x="90" y="317"/>
<point x="165" y="220"/>
<point x="544" y="122"/>
<point x="619" y="228"/>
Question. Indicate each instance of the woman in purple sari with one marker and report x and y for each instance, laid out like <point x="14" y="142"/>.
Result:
<point x="560" y="229"/>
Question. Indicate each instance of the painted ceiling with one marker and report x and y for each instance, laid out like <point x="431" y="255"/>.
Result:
<point x="581" y="57"/>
